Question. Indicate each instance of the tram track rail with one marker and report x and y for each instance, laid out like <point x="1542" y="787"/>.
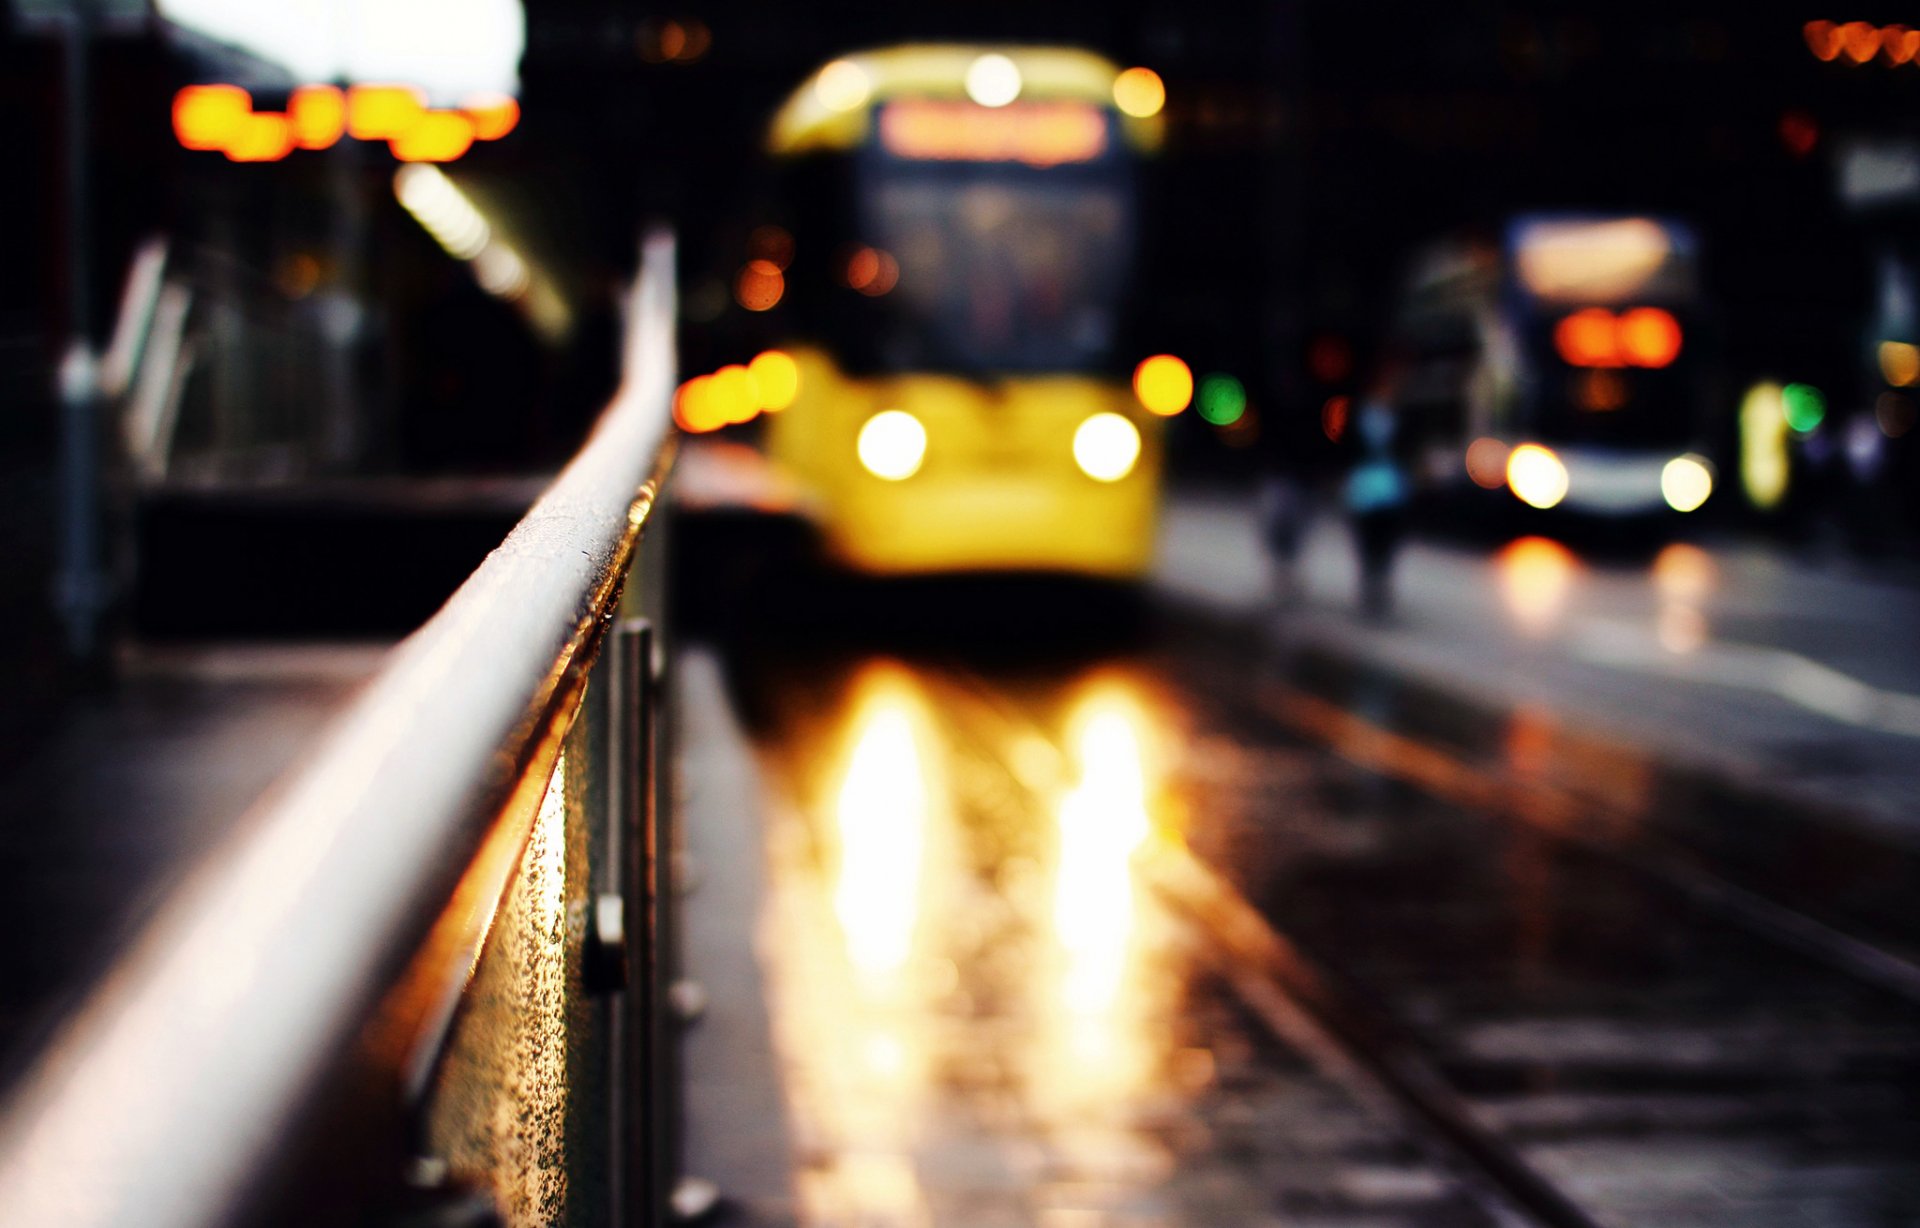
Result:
<point x="1353" y="1044"/>
<point x="1353" y="1036"/>
<point x="1562" y="815"/>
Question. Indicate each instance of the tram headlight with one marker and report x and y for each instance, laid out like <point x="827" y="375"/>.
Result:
<point x="1536" y="476"/>
<point x="1106" y="447"/>
<point x="892" y="444"/>
<point x="1685" y="482"/>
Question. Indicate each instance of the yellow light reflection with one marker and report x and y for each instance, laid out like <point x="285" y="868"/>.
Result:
<point x="1536" y="575"/>
<point x="1104" y="1041"/>
<point x="1684" y="576"/>
<point x="880" y="817"/>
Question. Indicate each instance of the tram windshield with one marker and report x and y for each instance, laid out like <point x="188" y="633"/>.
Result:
<point x="1000" y="265"/>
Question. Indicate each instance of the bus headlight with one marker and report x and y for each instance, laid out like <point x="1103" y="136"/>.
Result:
<point x="1536" y="476"/>
<point x="892" y="444"/>
<point x="1685" y="482"/>
<point x="1106" y="447"/>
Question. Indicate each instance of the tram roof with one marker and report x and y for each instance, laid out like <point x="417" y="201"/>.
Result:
<point x="806" y="123"/>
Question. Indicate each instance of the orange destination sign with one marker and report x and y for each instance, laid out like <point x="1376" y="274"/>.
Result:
<point x="1037" y="133"/>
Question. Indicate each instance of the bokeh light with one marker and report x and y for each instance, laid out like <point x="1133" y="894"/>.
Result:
<point x="1106" y="446"/>
<point x="1487" y="463"/>
<point x="1536" y="578"/>
<point x="1805" y="406"/>
<point x="892" y="445"/>
<point x="383" y="112"/>
<point x="871" y="271"/>
<point x="1686" y="482"/>
<point x="318" y="114"/>
<point x="1899" y="363"/>
<point x="993" y="80"/>
<point x="759" y="286"/>
<point x="776" y="376"/>
<point x="843" y="86"/>
<point x="1586" y="338"/>
<point x="1222" y="399"/>
<point x="437" y="136"/>
<point x="1139" y="92"/>
<point x="1163" y="384"/>
<point x="210" y="116"/>
<point x="261" y="137"/>
<point x="492" y="115"/>
<point x="736" y="398"/>
<point x="1649" y="337"/>
<point x="1536" y="476"/>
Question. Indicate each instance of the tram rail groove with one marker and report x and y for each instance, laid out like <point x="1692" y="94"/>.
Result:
<point x="1563" y="816"/>
<point x="1309" y="1008"/>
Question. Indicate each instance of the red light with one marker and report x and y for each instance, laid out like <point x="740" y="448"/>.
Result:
<point x="1649" y="337"/>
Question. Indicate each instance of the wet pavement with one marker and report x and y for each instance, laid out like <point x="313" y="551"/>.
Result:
<point x="1126" y="940"/>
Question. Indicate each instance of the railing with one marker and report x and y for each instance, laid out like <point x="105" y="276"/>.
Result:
<point x="421" y="982"/>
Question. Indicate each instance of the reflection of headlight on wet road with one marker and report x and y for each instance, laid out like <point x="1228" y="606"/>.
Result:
<point x="892" y="444"/>
<point x="1685" y="483"/>
<point x="1106" y="447"/>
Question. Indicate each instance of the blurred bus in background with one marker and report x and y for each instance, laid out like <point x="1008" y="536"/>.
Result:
<point x="952" y="327"/>
<point x="1565" y="366"/>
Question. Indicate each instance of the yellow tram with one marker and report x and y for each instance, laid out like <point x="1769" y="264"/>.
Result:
<point x="964" y="225"/>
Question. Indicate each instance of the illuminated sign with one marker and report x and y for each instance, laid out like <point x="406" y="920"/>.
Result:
<point x="221" y="118"/>
<point x="1038" y="134"/>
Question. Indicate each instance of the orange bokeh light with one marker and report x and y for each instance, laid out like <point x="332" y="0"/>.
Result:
<point x="1586" y="338"/>
<point x="776" y="376"/>
<point x="492" y="115"/>
<point x="1823" y="38"/>
<point x="210" y="116"/>
<point x="759" y="286"/>
<point x="319" y="115"/>
<point x="1649" y="337"/>
<point x="1139" y="92"/>
<point x="1898" y="44"/>
<point x="261" y="137"/>
<point x="871" y="271"/>
<point x="439" y="136"/>
<point x="1163" y="384"/>
<point x="694" y="407"/>
<point x="1860" y="41"/>
<point x="383" y="112"/>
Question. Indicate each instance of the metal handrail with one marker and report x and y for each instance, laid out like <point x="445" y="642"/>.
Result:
<point x="173" y="1088"/>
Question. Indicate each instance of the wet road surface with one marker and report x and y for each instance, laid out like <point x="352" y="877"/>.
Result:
<point x="1128" y="941"/>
